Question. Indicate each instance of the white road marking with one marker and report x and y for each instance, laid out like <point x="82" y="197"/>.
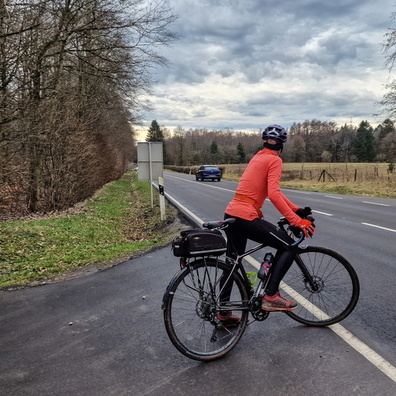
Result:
<point x="331" y="196"/>
<point x="178" y="204"/>
<point x="380" y="227"/>
<point x="375" y="203"/>
<point x="300" y="191"/>
<point x="373" y="357"/>
<point x="226" y="189"/>
<point x="322" y="213"/>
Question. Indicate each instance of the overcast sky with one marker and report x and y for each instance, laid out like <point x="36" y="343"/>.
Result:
<point x="243" y="64"/>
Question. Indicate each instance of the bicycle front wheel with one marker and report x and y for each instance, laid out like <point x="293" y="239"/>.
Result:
<point x="192" y="302"/>
<point x="324" y="284"/>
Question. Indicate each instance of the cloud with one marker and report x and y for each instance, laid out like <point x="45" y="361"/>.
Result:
<point x="243" y="64"/>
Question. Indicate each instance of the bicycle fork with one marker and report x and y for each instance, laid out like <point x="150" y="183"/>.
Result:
<point x="309" y="280"/>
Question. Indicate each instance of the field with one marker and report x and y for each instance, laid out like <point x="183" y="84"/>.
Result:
<point x="367" y="179"/>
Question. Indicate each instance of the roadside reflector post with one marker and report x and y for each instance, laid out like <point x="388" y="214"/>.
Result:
<point x="161" y="197"/>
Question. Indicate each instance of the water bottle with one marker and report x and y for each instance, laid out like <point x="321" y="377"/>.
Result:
<point x="265" y="266"/>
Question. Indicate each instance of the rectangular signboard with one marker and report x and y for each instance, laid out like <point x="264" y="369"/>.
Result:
<point x="150" y="160"/>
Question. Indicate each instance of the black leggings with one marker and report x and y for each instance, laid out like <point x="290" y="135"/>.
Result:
<point x="262" y="231"/>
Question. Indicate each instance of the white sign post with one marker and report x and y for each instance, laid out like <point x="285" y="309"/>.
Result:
<point x="150" y="162"/>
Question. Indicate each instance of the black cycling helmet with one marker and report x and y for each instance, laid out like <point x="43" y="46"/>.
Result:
<point x="275" y="132"/>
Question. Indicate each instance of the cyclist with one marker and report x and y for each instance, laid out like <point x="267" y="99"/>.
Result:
<point x="261" y="180"/>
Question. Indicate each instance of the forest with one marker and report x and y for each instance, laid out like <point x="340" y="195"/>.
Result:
<point x="72" y="75"/>
<point x="309" y="141"/>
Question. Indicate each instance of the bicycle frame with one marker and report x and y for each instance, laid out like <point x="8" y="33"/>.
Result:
<point x="260" y="288"/>
<point x="255" y="295"/>
<point x="207" y="288"/>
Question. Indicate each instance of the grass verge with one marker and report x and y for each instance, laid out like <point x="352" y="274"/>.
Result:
<point x="368" y="189"/>
<point x="363" y="179"/>
<point x="116" y="224"/>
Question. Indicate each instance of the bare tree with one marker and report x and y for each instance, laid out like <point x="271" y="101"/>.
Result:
<point x="72" y="78"/>
<point x="389" y="100"/>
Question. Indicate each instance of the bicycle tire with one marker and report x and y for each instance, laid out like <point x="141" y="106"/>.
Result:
<point x="336" y="290"/>
<point x="191" y="303"/>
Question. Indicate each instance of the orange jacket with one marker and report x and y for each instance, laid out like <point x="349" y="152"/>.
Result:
<point x="259" y="181"/>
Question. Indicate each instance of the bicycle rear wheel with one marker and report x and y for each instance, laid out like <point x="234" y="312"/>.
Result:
<point x="331" y="294"/>
<point x="191" y="304"/>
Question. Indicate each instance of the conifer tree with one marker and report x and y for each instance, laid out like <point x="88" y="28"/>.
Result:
<point x="214" y="152"/>
<point x="154" y="133"/>
<point x="364" y="144"/>
<point x="214" y="148"/>
<point x="241" y="155"/>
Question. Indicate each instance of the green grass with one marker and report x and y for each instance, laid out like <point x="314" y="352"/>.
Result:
<point x="116" y="224"/>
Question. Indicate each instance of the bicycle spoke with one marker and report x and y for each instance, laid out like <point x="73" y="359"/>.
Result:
<point x="330" y="292"/>
<point x="192" y="307"/>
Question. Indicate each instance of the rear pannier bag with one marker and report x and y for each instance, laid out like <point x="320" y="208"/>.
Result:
<point x="192" y="243"/>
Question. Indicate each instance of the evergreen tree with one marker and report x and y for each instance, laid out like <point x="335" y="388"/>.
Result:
<point x="214" y="152"/>
<point x="241" y="155"/>
<point x="214" y="148"/>
<point x="154" y="133"/>
<point x="364" y="144"/>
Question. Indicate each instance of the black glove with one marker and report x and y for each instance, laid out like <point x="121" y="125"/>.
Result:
<point x="304" y="212"/>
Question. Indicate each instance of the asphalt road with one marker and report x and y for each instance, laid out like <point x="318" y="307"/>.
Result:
<point x="363" y="229"/>
<point x="103" y="334"/>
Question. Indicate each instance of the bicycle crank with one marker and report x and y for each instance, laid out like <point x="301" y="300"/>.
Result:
<point x="256" y="311"/>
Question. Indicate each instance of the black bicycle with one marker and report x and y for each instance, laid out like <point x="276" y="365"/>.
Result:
<point x="321" y="281"/>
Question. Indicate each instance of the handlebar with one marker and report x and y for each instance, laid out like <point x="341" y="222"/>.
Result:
<point x="284" y="224"/>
